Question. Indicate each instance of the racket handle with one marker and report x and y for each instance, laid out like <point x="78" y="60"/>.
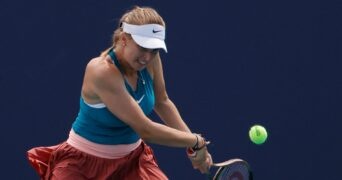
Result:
<point x="209" y="176"/>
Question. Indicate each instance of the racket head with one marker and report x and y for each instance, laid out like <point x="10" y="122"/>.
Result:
<point x="233" y="169"/>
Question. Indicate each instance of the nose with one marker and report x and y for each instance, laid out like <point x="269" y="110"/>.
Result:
<point x="147" y="56"/>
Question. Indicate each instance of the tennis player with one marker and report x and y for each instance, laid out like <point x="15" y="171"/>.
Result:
<point x="120" y="88"/>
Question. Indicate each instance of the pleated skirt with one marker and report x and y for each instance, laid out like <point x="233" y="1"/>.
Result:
<point x="64" y="162"/>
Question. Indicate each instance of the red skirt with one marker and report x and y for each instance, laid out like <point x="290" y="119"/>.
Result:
<point x="65" y="162"/>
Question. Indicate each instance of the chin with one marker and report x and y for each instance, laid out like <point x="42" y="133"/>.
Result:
<point x="141" y="68"/>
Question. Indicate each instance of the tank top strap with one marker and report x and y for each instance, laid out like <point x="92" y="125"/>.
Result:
<point x="141" y="78"/>
<point x="115" y="60"/>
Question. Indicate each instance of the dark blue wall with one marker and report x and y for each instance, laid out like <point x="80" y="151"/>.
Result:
<point x="231" y="64"/>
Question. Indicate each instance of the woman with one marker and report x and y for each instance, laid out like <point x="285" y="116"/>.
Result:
<point x="120" y="88"/>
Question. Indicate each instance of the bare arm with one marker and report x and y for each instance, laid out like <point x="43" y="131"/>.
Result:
<point x="164" y="107"/>
<point x="168" y="112"/>
<point x="108" y="85"/>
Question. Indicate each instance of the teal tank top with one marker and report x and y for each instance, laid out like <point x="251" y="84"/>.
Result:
<point x="99" y="125"/>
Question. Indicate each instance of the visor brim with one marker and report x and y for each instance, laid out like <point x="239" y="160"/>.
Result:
<point x="149" y="42"/>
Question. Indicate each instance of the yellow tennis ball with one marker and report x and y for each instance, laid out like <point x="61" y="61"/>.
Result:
<point x="258" y="134"/>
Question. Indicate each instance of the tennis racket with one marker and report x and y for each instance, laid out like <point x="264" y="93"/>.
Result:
<point x="233" y="169"/>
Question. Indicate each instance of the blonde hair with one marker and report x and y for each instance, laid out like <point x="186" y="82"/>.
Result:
<point x="137" y="16"/>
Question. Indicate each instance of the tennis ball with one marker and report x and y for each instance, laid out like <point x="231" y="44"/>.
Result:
<point x="258" y="134"/>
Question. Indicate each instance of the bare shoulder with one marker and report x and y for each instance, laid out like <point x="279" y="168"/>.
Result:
<point x="101" y="75"/>
<point x="102" y="68"/>
<point x="154" y="66"/>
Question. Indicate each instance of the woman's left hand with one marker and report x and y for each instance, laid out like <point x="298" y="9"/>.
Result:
<point x="202" y="161"/>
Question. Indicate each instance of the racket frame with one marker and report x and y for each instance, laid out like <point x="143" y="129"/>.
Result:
<point x="223" y="164"/>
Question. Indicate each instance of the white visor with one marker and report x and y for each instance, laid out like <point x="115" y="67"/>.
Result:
<point x="150" y="36"/>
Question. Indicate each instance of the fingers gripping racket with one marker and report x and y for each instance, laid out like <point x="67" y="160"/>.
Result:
<point x="233" y="169"/>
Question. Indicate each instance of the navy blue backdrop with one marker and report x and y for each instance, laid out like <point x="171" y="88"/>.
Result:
<point x="231" y="64"/>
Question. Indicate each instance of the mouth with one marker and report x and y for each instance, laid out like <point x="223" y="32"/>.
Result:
<point x="142" y="62"/>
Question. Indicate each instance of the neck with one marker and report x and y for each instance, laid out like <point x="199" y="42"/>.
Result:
<point x="129" y="72"/>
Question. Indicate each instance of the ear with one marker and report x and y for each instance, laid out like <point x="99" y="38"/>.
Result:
<point x="124" y="38"/>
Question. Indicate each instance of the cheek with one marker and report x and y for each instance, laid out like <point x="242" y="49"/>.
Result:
<point x="129" y="54"/>
<point x="132" y="50"/>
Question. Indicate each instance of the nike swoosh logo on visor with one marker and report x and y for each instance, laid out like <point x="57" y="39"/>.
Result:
<point x="156" y="31"/>
<point x="142" y="97"/>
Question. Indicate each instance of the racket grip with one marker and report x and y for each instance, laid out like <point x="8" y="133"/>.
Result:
<point x="209" y="176"/>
